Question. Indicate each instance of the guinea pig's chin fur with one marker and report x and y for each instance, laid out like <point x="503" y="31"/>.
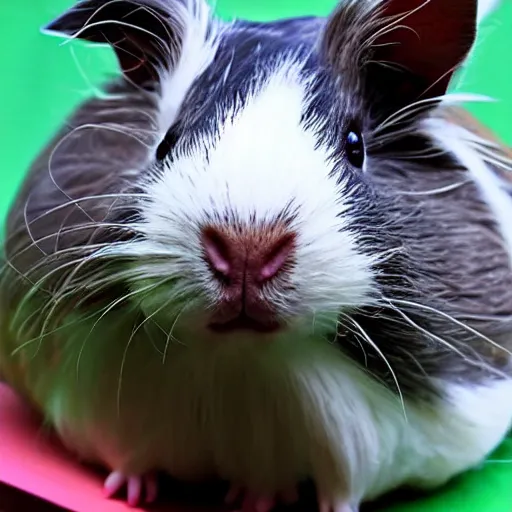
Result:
<point x="191" y="327"/>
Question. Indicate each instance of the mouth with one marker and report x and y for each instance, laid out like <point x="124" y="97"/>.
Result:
<point x="244" y="323"/>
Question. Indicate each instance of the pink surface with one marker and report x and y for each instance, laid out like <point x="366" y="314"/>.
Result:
<point x="30" y="462"/>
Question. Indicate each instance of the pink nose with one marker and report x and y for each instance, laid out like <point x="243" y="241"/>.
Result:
<point x="258" y="256"/>
<point x="243" y="261"/>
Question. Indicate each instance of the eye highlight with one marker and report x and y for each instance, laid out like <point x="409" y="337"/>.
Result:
<point x="354" y="147"/>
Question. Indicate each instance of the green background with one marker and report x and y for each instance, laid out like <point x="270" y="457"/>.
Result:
<point x="42" y="80"/>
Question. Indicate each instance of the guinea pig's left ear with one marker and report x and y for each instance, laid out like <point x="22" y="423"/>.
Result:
<point x="147" y="35"/>
<point x="409" y="48"/>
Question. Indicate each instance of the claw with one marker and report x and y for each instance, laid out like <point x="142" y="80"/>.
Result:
<point x="136" y="486"/>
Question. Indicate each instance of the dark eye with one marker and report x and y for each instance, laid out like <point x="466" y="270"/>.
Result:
<point x="354" y="147"/>
<point x="168" y="142"/>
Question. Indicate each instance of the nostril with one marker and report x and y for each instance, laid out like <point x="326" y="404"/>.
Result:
<point x="249" y="255"/>
<point x="277" y="257"/>
<point x="216" y="251"/>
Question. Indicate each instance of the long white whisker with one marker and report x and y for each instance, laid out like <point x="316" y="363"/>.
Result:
<point x="36" y="286"/>
<point x="50" y="172"/>
<point x="129" y="342"/>
<point x="431" y="335"/>
<point x="107" y="310"/>
<point x="76" y="248"/>
<point x="384" y="358"/>
<point x="451" y="319"/>
<point x="408" y="110"/>
<point x="170" y="335"/>
<point x="29" y="231"/>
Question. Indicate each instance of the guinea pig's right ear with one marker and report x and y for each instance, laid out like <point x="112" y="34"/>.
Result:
<point x="402" y="50"/>
<point x="147" y="35"/>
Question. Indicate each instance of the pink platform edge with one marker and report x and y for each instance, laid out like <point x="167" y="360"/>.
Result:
<point x="32" y="463"/>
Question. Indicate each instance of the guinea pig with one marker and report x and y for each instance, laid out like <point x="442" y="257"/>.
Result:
<point x="271" y="252"/>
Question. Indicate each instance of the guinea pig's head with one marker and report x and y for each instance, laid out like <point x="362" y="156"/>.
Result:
<point x="257" y="208"/>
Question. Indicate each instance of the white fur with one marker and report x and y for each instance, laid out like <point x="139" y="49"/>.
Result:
<point x="192" y="19"/>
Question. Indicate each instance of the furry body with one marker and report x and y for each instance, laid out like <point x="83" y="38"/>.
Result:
<point x="394" y="366"/>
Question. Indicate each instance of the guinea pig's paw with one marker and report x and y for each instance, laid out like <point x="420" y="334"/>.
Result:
<point x="340" y="506"/>
<point x="253" y="502"/>
<point x="138" y="487"/>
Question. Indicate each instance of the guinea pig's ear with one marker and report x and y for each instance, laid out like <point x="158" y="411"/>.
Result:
<point x="409" y="48"/>
<point x="147" y="35"/>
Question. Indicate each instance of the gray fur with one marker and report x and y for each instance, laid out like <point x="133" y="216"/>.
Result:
<point x="79" y="185"/>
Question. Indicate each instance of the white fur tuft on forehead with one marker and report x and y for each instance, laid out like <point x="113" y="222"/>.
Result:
<point x="261" y="165"/>
<point x="200" y="33"/>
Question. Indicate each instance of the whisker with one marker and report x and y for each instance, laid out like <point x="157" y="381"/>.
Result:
<point x="8" y="265"/>
<point x="121" y="370"/>
<point x="109" y="112"/>
<point x="476" y="360"/>
<point x="60" y="294"/>
<point x="451" y="319"/>
<point x="61" y="327"/>
<point x="52" y="177"/>
<point x="85" y="248"/>
<point x="391" y="23"/>
<point x="129" y="342"/>
<point x="431" y="335"/>
<point x="25" y="218"/>
<point x="107" y="310"/>
<point x="72" y="202"/>
<point x="435" y="191"/>
<point x="367" y="338"/>
<point x="412" y="108"/>
<point x="56" y="302"/>
<point x="88" y="26"/>
<point x="36" y="287"/>
<point x="117" y="128"/>
<point x="170" y="335"/>
<point x="361" y="345"/>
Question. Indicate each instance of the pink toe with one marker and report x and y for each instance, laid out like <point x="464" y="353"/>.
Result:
<point x="113" y="483"/>
<point x="134" y="490"/>
<point x="151" y="488"/>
